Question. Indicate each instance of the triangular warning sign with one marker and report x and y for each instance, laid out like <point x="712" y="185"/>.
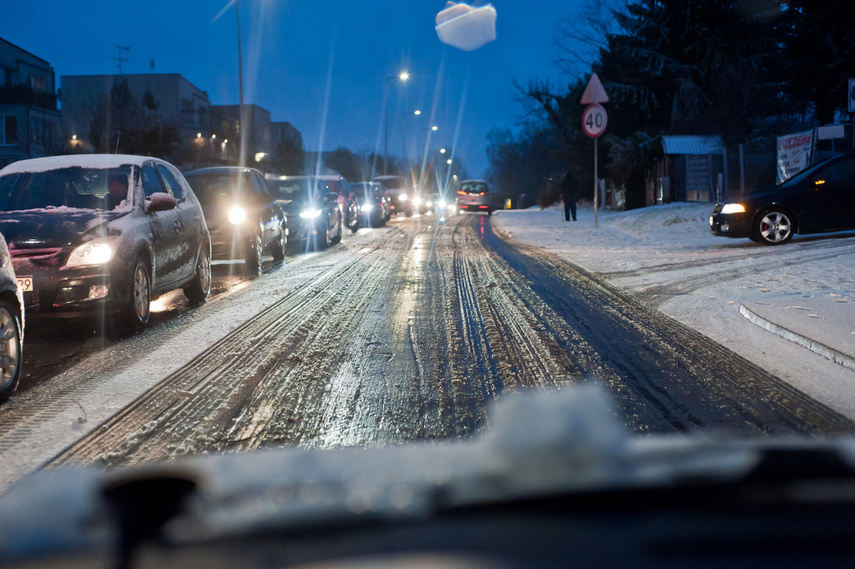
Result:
<point x="594" y="92"/>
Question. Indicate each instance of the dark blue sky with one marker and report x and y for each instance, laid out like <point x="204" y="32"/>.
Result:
<point x="319" y="64"/>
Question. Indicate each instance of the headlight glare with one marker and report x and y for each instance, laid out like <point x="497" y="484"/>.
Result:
<point x="237" y="214"/>
<point x="89" y="254"/>
<point x="310" y="213"/>
<point x="733" y="208"/>
<point x="404" y="197"/>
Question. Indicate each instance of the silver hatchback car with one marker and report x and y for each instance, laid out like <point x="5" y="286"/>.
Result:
<point x="474" y="195"/>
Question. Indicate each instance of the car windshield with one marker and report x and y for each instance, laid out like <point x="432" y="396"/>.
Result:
<point x="215" y="188"/>
<point x="297" y="189"/>
<point x="566" y="202"/>
<point x="75" y="187"/>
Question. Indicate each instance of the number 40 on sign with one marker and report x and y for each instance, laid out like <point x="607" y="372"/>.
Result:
<point x="594" y="120"/>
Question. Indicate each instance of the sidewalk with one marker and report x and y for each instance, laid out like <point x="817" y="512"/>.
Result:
<point x="821" y="325"/>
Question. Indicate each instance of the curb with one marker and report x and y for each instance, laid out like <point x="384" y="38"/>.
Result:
<point x="834" y="355"/>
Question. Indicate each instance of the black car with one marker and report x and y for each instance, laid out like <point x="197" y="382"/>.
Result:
<point x="103" y="233"/>
<point x="11" y="324"/>
<point x="373" y="203"/>
<point x="242" y="214"/>
<point x="314" y="214"/>
<point x="819" y="199"/>
<point x="400" y="193"/>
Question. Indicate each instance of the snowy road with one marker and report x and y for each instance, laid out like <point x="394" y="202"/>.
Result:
<point x="401" y="333"/>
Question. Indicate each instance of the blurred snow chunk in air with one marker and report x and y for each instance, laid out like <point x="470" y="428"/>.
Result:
<point x="462" y="26"/>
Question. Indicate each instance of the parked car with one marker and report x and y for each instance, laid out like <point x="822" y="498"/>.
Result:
<point x="373" y="203"/>
<point x="314" y="215"/>
<point x="339" y="186"/>
<point x="400" y="193"/>
<point x="11" y="323"/>
<point x="242" y="214"/>
<point x="103" y="233"/>
<point x="819" y="199"/>
<point x="474" y="195"/>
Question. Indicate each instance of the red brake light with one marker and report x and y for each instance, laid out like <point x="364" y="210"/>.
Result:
<point x="461" y="193"/>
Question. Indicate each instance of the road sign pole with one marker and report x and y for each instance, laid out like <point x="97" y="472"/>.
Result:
<point x="596" y="184"/>
<point x="594" y="121"/>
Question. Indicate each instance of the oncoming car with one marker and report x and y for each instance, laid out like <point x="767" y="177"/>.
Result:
<point x="242" y="214"/>
<point x="474" y="195"/>
<point x="103" y="234"/>
<point x="819" y="199"/>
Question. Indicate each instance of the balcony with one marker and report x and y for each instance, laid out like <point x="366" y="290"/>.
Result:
<point x="23" y="95"/>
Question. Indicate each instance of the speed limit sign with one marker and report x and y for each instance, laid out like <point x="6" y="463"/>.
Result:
<point x="594" y="120"/>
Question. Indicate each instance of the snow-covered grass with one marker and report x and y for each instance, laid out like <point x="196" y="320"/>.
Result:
<point x="667" y="256"/>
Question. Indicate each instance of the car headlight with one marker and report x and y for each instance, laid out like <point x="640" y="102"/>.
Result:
<point x="416" y="201"/>
<point x="89" y="254"/>
<point x="310" y="213"/>
<point x="440" y="205"/>
<point x="733" y="208"/>
<point x="428" y="203"/>
<point x="237" y="214"/>
<point x="403" y="197"/>
<point x="366" y="207"/>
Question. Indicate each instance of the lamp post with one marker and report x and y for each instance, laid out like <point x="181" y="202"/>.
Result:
<point x="403" y="76"/>
<point x="404" y="131"/>
<point x="240" y="123"/>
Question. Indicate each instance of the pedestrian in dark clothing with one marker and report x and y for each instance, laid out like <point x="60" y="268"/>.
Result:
<point x="569" y="193"/>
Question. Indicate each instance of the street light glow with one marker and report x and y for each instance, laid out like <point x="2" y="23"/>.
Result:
<point x="434" y="128"/>
<point x="442" y="150"/>
<point x="417" y="112"/>
<point x="404" y="76"/>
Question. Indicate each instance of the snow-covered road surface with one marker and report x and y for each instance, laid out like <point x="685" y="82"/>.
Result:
<point x="403" y="333"/>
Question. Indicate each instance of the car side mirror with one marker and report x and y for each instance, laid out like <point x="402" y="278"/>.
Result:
<point x="161" y="201"/>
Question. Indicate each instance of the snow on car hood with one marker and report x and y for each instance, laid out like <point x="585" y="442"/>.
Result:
<point x="55" y="227"/>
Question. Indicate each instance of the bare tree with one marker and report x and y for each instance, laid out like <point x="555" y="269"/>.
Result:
<point x="582" y="35"/>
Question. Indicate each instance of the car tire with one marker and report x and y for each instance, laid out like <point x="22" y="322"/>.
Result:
<point x="773" y="227"/>
<point x="278" y="247"/>
<point x="337" y="238"/>
<point x="11" y="350"/>
<point x="200" y="287"/>
<point x="252" y="260"/>
<point x="137" y="309"/>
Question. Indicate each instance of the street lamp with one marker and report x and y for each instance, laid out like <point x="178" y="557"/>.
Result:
<point x="403" y="76"/>
<point x="404" y="132"/>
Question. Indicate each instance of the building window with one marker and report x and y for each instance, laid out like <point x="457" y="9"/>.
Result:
<point x="9" y="132"/>
<point x="37" y="83"/>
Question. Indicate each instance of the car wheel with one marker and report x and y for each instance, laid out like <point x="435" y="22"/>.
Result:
<point x="137" y="309"/>
<point x="200" y="287"/>
<point x="11" y="350"/>
<point x="337" y="237"/>
<point x="773" y="227"/>
<point x="277" y="249"/>
<point x="253" y="256"/>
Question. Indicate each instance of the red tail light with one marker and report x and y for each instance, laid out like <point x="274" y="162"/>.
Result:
<point x="483" y="207"/>
<point x="481" y="194"/>
<point x="461" y="193"/>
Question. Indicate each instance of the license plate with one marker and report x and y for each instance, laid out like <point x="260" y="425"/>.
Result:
<point x="26" y="283"/>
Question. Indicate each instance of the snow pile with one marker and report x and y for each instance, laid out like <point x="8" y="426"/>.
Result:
<point x="667" y="256"/>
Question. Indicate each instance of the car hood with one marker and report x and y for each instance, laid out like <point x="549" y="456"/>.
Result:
<point x="541" y="446"/>
<point x="49" y="229"/>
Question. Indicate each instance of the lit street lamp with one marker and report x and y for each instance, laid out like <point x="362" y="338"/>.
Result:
<point x="403" y="76"/>
<point x="404" y="132"/>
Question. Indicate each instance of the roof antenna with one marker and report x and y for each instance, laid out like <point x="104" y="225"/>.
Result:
<point x="118" y="57"/>
<point x="151" y="64"/>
